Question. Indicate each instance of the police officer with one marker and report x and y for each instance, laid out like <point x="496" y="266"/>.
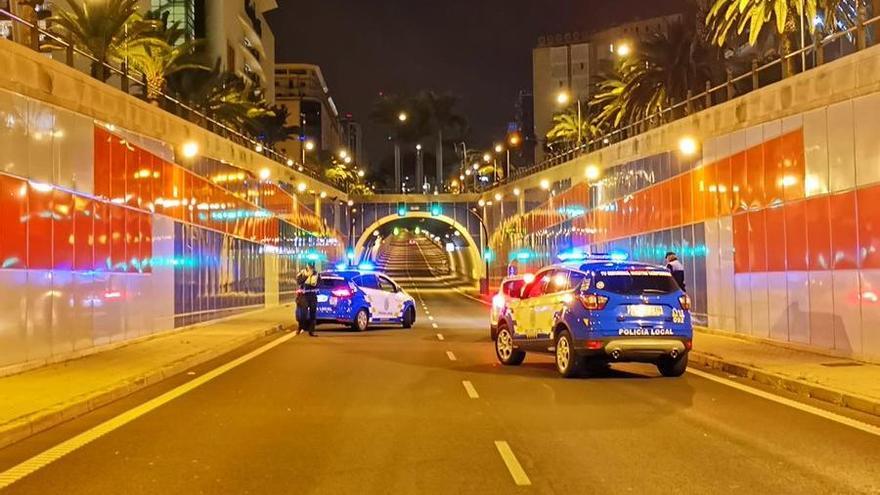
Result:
<point x="676" y="268"/>
<point x="308" y="280"/>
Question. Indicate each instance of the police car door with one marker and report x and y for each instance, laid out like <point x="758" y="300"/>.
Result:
<point x="524" y="316"/>
<point x="549" y="303"/>
<point x="393" y="305"/>
<point x="373" y="294"/>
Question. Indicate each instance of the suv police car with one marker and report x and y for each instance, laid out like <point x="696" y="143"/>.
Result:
<point x="599" y="309"/>
<point x="360" y="298"/>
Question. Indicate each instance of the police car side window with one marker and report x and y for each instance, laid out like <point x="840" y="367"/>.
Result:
<point x="387" y="285"/>
<point x="368" y="282"/>
<point x="575" y="279"/>
<point x="537" y="287"/>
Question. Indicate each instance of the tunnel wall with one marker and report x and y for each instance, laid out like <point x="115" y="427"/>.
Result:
<point x="777" y="218"/>
<point x="107" y="237"/>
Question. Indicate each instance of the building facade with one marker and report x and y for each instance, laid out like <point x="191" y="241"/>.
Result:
<point x="569" y="62"/>
<point x="302" y="89"/>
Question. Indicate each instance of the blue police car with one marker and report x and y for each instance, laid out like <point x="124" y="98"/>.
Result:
<point x="360" y="298"/>
<point x="599" y="309"/>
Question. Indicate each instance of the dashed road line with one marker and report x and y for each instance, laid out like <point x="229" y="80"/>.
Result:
<point x="435" y="325"/>
<point x="837" y="418"/>
<point x="469" y="388"/>
<point x="516" y="471"/>
<point x="39" y="461"/>
<point x="451" y="356"/>
<point x="440" y="336"/>
<point x="431" y="318"/>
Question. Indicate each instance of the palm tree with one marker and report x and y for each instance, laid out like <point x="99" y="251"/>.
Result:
<point x="158" y="61"/>
<point x="659" y="76"/>
<point x="565" y="128"/>
<point x="102" y="28"/>
<point x="787" y="16"/>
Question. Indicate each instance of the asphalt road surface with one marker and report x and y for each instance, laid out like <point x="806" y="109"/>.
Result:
<point x="429" y="410"/>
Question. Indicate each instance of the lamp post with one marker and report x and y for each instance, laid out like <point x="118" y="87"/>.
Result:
<point x="563" y="98"/>
<point x="402" y="118"/>
<point x="484" y="243"/>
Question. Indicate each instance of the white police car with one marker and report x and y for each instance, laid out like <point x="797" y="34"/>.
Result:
<point x="360" y="298"/>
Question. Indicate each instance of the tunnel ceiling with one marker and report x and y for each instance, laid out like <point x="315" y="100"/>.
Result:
<point x="436" y="227"/>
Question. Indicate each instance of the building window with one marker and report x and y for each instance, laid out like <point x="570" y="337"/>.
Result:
<point x="182" y="12"/>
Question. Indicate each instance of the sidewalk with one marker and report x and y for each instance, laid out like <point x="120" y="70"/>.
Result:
<point x="39" y="399"/>
<point x="847" y="383"/>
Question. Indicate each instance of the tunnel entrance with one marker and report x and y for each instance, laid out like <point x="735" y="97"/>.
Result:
<point x="422" y="251"/>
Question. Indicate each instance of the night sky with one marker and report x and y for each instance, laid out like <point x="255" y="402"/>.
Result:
<point x="479" y="50"/>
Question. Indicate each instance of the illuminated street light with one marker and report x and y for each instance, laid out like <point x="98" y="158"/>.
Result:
<point x="482" y="203"/>
<point x="592" y="173"/>
<point x="258" y="148"/>
<point x="516" y="191"/>
<point x="361" y="174"/>
<point x="476" y="166"/>
<point x="343" y="154"/>
<point x="350" y="203"/>
<point x="347" y="160"/>
<point x="467" y="172"/>
<point x="688" y="146"/>
<point x="461" y="177"/>
<point x="265" y="174"/>
<point x="301" y="187"/>
<point x="418" y="147"/>
<point x="289" y="162"/>
<point x="514" y="140"/>
<point x="624" y="49"/>
<point x="487" y="157"/>
<point x="545" y="184"/>
<point x="402" y="117"/>
<point x="563" y="97"/>
<point x="499" y="148"/>
<point x="190" y="149"/>
<point x="310" y="145"/>
<point x="498" y="196"/>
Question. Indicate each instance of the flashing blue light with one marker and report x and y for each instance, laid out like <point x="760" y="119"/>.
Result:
<point x="436" y="210"/>
<point x="341" y="266"/>
<point x="573" y="254"/>
<point x="619" y="256"/>
<point x="350" y="254"/>
<point x="366" y="266"/>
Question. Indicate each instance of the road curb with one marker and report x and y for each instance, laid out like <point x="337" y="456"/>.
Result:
<point x="787" y="383"/>
<point x="30" y="425"/>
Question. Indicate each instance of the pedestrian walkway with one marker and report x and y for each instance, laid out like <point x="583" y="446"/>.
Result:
<point x="845" y="382"/>
<point x="41" y="398"/>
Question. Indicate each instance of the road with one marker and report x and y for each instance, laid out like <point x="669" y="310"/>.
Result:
<point x="429" y="410"/>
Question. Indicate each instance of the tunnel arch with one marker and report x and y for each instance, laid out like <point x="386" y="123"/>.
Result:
<point x="477" y="270"/>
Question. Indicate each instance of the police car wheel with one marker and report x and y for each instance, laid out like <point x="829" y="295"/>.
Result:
<point x="361" y="321"/>
<point x="507" y="354"/>
<point x="670" y="367"/>
<point x="409" y="317"/>
<point x="568" y="363"/>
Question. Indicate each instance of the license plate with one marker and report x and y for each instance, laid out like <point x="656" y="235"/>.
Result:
<point x="322" y="298"/>
<point x="644" y="310"/>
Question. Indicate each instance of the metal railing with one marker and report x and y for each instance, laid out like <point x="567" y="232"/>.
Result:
<point x="849" y="41"/>
<point x="129" y="78"/>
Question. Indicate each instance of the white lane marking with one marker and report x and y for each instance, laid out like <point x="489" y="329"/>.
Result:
<point x="451" y="356"/>
<point x="439" y="336"/>
<point x="456" y="289"/>
<point x="39" y="461"/>
<point x="837" y="418"/>
<point x="471" y="391"/>
<point x="516" y="471"/>
<point x="431" y="318"/>
<point x="435" y="325"/>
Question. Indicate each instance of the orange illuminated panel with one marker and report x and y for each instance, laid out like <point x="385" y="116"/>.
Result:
<point x="83" y="234"/>
<point x="754" y="194"/>
<point x="62" y="230"/>
<point x="723" y="182"/>
<point x="738" y="182"/>
<point x="793" y="173"/>
<point x="118" y="152"/>
<point x="132" y="240"/>
<point x="869" y="227"/>
<point x="698" y="193"/>
<point x="741" y="263"/>
<point x="132" y="177"/>
<point x="118" y="256"/>
<point x="819" y="233"/>
<point x="796" y="236"/>
<point x="773" y="171"/>
<point x="844" y="231"/>
<point x="687" y="199"/>
<point x="775" y="229"/>
<point x="102" y="163"/>
<point x="103" y="261"/>
<point x="710" y="192"/>
<point x="757" y="241"/>
<point x="14" y="218"/>
<point x="39" y="220"/>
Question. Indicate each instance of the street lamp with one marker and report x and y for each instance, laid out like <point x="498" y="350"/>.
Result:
<point x="499" y="148"/>
<point x="402" y="117"/>
<point x="592" y="173"/>
<point x="688" y="146"/>
<point x="624" y="49"/>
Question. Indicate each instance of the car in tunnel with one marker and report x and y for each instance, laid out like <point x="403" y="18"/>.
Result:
<point x="596" y="311"/>
<point x="361" y="298"/>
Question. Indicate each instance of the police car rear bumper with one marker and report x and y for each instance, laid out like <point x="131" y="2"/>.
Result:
<point x="647" y="349"/>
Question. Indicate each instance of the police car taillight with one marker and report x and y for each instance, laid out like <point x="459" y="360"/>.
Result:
<point x="342" y="293"/>
<point x="685" y="302"/>
<point x="593" y="302"/>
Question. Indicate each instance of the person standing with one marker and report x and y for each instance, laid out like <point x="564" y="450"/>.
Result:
<point x="676" y="268"/>
<point x="307" y="299"/>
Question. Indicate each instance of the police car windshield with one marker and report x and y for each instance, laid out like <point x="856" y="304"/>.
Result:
<point x="636" y="282"/>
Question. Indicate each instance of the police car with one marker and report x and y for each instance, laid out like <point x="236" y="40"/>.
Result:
<point x="599" y="309"/>
<point x="360" y="298"/>
<point x="509" y="290"/>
